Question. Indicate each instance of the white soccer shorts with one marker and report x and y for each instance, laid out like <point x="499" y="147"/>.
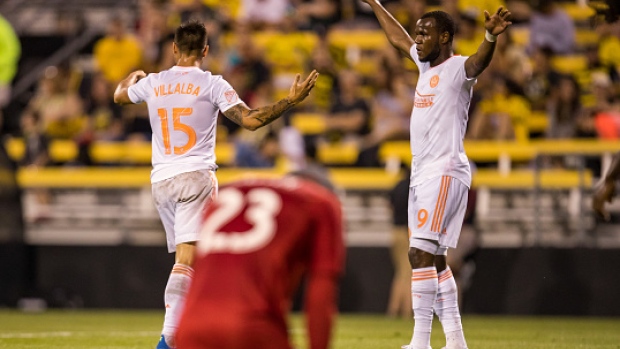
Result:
<point x="436" y="211"/>
<point x="181" y="201"/>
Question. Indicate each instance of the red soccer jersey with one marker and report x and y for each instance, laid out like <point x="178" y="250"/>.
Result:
<point x="258" y="239"/>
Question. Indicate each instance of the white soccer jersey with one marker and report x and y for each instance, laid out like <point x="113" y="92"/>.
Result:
<point x="439" y="120"/>
<point x="183" y="104"/>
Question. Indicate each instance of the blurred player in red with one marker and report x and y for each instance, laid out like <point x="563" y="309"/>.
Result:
<point x="259" y="239"/>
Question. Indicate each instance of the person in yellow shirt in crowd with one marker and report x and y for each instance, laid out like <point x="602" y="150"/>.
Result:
<point x="609" y="44"/>
<point x="10" y="49"/>
<point x="500" y="116"/>
<point x="118" y="53"/>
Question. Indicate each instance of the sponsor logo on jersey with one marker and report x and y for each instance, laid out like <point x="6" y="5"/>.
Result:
<point x="423" y="101"/>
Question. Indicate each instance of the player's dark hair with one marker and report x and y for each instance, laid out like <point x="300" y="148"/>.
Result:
<point x="191" y="37"/>
<point x="444" y="22"/>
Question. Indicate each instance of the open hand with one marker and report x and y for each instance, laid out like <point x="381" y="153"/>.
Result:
<point x="604" y="193"/>
<point x="497" y="23"/>
<point x="299" y="92"/>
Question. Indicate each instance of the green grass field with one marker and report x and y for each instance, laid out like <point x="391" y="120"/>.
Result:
<point x="140" y="329"/>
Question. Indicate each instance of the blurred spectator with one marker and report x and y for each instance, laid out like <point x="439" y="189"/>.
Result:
<point x="263" y="155"/>
<point x="609" y="45"/>
<point x="36" y="152"/>
<point x="11" y="50"/>
<point x="247" y="71"/>
<point x="501" y="115"/>
<point x="564" y="109"/>
<point x="316" y="15"/>
<point x="606" y="111"/>
<point x="544" y="77"/>
<point x="264" y="14"/>
<point x="521" y="11"/>
<point x="359" y="15"/>
<point x="349" y="117"/>
<point x="510" y="61"/>
<point x="607" y="122"/>
<point x="152" y="29"/>
<point x="36" y="155"/>
<point x="104" y="116"/>
<point x="117" y="53"/>
<point x="327" y="84"/>
<point x="476" y="8"/>
<point x="468" y="36"/>
<point x="550" y="26"/>
<point x="399" y="303"/>
<point x="414" y="10"/>
<point x="391" y="111"/>
<point x="58" y="109"/>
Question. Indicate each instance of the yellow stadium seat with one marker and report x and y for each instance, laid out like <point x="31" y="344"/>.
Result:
<point x="225" y="153"/>
<point x="63" y="150"/>
<point x="579" y="13"/>
<point x="570" y="64"/>
<point x="520" y="35"/>
<point x="363" y="39"/>
<point x="15" y="148"/>
<point x="526" y="179"/>
<point x="538" y="121"/>
<point x="309" y="123"/>
<point x="341" y="153"/>
<point x="586" y="37"/>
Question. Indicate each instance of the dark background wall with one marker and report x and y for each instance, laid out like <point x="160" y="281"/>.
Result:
<point x="506" y="281"/>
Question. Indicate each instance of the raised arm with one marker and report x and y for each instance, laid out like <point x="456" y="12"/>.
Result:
<point x="121" y="96"/>
<point x="253" y="119"/>
<point x="607" y="189"/>
<point x="494" y="26"/>
<point x="396" y="34"/>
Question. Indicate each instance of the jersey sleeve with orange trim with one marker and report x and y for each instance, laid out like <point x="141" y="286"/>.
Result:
<point x="138" y="92"/>
<point x="224" y="95"/>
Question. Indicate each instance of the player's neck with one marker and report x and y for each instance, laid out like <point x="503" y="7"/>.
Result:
<point x="189" y="61"/>
<point x="443" y="56"/>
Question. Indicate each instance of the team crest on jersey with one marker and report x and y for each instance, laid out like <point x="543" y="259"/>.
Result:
<point x="231" y="96"/>
<point x="434" y="81"/>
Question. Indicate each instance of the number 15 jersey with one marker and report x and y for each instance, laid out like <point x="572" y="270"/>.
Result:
<point x="183" y="105"/>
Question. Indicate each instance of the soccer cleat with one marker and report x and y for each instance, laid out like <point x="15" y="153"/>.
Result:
<point x="409" y="346"/>
<point x="162" y="343"/>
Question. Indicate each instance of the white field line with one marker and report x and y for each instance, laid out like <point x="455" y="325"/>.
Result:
<point x="78" y="334"/>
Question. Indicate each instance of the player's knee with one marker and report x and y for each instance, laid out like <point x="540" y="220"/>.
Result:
<point x="420" y="259"/>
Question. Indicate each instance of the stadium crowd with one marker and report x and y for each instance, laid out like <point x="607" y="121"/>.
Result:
<point x="554" y="75"/>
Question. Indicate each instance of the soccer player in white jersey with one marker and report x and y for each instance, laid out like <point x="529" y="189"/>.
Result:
<point x="183" y="104"/>
<point x="440" y="173"/>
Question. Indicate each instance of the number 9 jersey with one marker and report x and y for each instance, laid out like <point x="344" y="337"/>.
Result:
<point x="183" y="105"/>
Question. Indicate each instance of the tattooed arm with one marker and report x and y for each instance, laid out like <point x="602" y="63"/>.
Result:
<point x="253" y="119"/>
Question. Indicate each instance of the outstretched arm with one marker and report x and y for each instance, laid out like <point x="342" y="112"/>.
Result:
<point x="121" y="96"/>
<point x="494" y="26"/>
<point x="396" y="34"/>
<point x="320" y="308"/>
<point x="253" y="119"/>
<point x="606" y="191"/>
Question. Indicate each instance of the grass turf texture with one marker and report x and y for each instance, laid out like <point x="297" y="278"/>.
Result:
<point x="140" y="329"/>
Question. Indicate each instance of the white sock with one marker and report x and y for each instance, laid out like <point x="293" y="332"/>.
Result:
<point x="447" y="309"/>
<point x="423" y="296"/>
<point x="174" y="297"/>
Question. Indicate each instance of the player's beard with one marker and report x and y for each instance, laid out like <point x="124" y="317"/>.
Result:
<point x="431" y="56"/>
